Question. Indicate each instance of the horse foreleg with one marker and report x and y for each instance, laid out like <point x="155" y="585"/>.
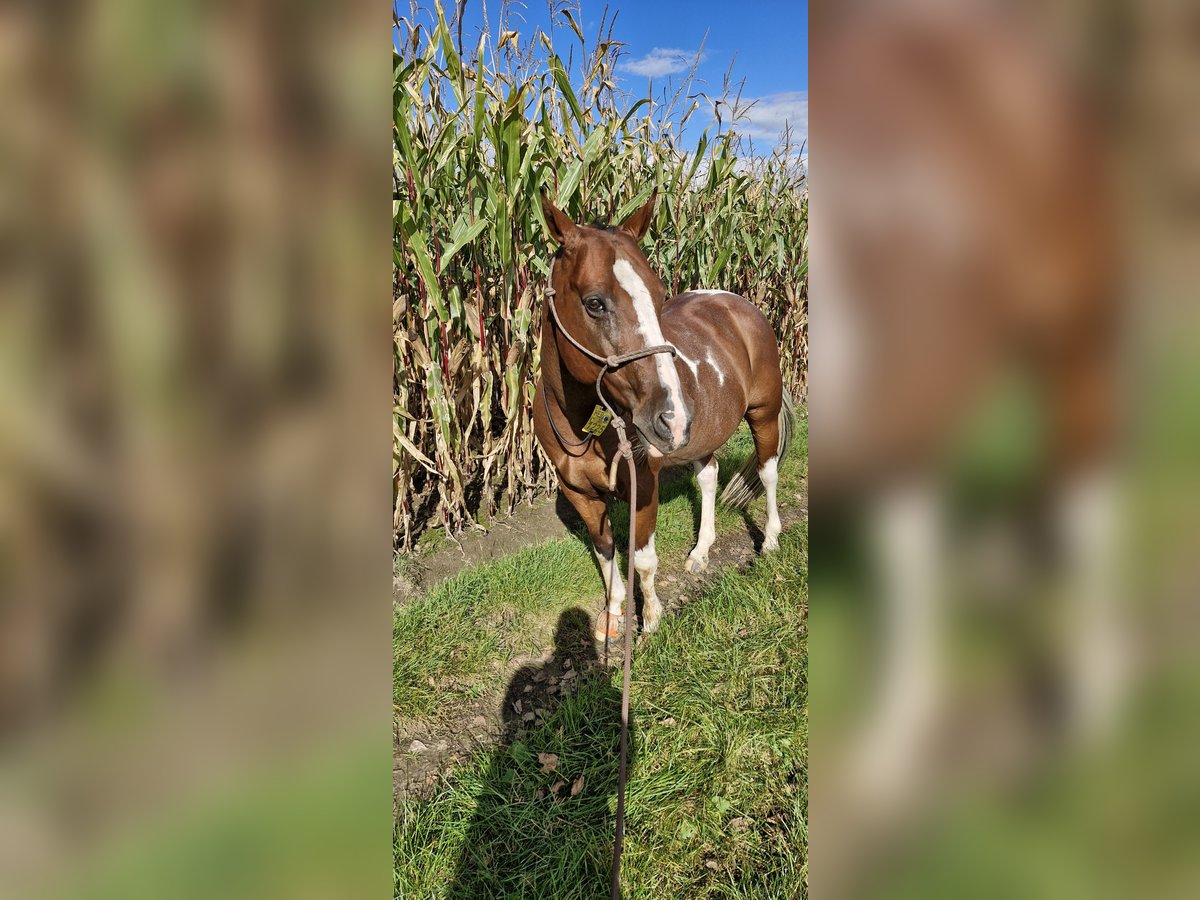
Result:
<point x="706" y="475"/>
<point x="594" y="512"/>
<point x="614" y="585"/>
<point x="645" y="557"/>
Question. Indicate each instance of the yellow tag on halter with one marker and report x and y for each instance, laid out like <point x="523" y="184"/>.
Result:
<point x="598" y="421"/>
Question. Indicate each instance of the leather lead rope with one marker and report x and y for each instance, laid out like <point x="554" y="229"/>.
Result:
<point x="624" y="449"/>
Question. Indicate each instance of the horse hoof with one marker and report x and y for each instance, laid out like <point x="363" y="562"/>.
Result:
<point x="695" y="566"/>
<point x="770" y="545"/>
<point x="608" y="626"/>
<point x="649" y="626"/>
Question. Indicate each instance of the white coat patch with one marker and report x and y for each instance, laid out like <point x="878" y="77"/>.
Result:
<point x="646" y="557"/>
<point x="708" y="358"/>
<point x="650" y="329"/>
<point x="692" y="364"/>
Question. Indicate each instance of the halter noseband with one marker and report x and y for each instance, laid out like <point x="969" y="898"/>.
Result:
<point x="607" y="364"/>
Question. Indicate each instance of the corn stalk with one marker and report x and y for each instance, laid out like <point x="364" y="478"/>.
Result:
<point x="474" y="140"/>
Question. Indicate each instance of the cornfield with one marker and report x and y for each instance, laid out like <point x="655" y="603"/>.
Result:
<point x="476" y="135"/>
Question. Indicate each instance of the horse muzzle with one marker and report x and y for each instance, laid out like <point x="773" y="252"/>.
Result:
<point x="666" y="431"/>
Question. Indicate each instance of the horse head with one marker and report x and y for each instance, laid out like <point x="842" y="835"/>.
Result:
<point x="609" y="300"/>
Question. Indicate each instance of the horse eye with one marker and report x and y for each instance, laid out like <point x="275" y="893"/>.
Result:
<point x="594" y="305"/>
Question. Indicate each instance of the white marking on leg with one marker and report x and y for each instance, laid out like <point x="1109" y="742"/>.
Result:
<point x="645" y="561"/>
<point x="1099" y="656"/>
<point x="650" y="329"/>
<point x="616" y="600"/>
<point x="908" y="539"/>
<point x="768" y="474"/>
<point x="706" y="475"/>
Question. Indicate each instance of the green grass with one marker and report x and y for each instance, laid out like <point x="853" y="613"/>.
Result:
<point x="405" y="565"/>
<point x="454" y="643"/>
<point x="717" y="802"/>
<point x="717" y="799"/>
<point x="307" y="828"/>
<point x="484" y="615"/>
<point x="1118" y="820"/>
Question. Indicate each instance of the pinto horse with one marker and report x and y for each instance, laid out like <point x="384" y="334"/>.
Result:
<point x="722" y="366"/>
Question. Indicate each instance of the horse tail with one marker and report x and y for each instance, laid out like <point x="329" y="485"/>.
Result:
<point x="745" y="484"/>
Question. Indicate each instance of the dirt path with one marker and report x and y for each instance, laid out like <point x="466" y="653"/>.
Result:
<point x="427" y="749"/>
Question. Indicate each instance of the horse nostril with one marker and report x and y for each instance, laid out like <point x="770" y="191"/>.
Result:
<point x="662" y="425"/>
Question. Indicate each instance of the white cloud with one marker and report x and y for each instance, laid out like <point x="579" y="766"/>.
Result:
<point x="766" y="120"/>
<point x="658" y="62"/>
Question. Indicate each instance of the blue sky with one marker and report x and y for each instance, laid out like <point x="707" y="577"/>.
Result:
<point x="768" y="37"/>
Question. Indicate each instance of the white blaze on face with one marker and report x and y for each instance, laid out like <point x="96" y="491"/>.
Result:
<point x="651" y="332"/>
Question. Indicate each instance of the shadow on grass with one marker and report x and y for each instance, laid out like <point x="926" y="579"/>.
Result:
<point x="539" y="833"/>
<point x="756" y="533"/>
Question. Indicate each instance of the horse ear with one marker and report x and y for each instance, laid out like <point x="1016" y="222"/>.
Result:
<point x="638" y="224"/>
<point x="559" y="223"/>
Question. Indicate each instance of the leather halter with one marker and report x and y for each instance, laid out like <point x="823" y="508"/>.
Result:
<point x="607" y="364"/>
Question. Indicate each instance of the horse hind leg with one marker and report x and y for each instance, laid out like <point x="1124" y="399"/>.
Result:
<point x="769" y="475"/>
<point x="765" y="427"/>
<point x="706" y="475"/>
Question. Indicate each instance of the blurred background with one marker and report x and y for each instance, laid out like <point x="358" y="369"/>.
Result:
<point x="1005" y="423"/>
<point x="1005" y="433"/>
<point x="194" y="548"/>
